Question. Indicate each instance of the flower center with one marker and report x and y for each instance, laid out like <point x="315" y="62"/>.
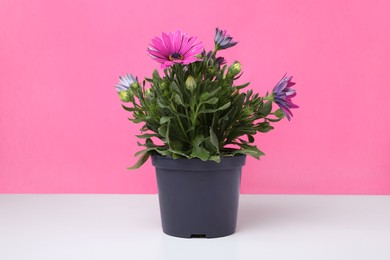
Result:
<point x="175" y="56"/>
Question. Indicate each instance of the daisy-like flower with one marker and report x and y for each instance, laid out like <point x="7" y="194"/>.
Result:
<point x="175" y="47"/>
<point x="222" y="40"/>
<point x="125" y="82"/>
<point x="124" y="87"/>
<point x="283" y="93"/>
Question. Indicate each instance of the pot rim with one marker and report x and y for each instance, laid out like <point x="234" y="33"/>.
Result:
<point x="195" y="164"/>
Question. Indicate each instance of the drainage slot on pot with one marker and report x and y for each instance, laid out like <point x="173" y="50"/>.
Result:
<point x="198" y="236"/>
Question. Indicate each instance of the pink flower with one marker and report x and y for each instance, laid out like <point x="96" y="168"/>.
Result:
<point x="174" y="48"/>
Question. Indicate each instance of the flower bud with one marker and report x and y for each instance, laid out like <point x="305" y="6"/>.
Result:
<point x="147" y="92"/>
<point x="234" y="69"/>
<point x="135" y="85"/>
<point x="125" y="96"/>
<point x="190" y="83"/>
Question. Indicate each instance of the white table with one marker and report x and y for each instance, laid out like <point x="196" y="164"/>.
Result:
<point x="115" y="227"/>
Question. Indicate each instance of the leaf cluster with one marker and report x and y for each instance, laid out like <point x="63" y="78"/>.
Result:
<point x="197" y="111"/>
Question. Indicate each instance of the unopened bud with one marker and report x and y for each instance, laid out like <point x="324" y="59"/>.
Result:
<point x="125" y="96"/>
<point x="148" y="93"/>
<point x="234" y="69"/>
<point x="190" y="83"/>
<point x="135" y="85"/>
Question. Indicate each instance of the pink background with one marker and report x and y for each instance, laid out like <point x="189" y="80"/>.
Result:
<point x="62" y="128"/>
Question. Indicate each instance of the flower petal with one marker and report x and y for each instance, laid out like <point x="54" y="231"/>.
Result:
<point x="167" y="43"/>
<point x="157" y="54"/>
<point x="159" y="46"/>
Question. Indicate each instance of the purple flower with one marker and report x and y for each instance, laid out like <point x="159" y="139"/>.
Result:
<point x="174" y="48"/>
<point x="222" y="40"/>
<point x="283" y="93"/>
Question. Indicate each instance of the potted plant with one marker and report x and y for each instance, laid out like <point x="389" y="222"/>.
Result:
<point x="198" y="126"/>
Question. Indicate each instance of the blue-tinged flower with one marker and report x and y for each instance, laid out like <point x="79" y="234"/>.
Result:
<point x="125" y="82"/>
<point x="175" y="47"/>
<point x="222" y="40"/>
<point x="125" y="86"/>
<point x="283" y="93"/>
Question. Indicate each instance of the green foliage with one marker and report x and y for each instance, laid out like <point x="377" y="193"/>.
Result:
<point x="197" y="111"/>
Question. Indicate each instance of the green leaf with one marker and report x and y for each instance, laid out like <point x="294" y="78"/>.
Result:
<point x="178" y="100"/>
<point x="249" y="150"/>
<point x="176" y="144"/>
<point x="215" y="158"/>
<point x="214" y="92"/>
<point x="248" y="95"/>
<point x="163" y="152"/>
<point x="175" y="87"/>
<point x="212" y="101"/>
<point x="210" y="147"/>
<point x="164" y="119"/>
<point x="136" y="120"/>
<point x="144" y="157"/>
<point x="162" y="130"/>
<point x="279" y="113"/>
<point x="130" y="109"/>
<point x="167" y="140"/>
<point x="237" y="132"/>
<point x="242" y="86"/>
<point x="140" y="144"/>
<point x="266" y="109"/>
<point x="161" y="104"/>
<point x="175" y="156"/>
<point x="144" y="136"/>
<point x="141" y="152"/>
<point x="273" y="120"/>
<point x="179" y="153"/>
<point x="198" y="140"/>
<point x="214" y="139"/>
<point x="227" y="105"/>
<point x="149" y="143"/>
<point x="204" y="96"/>
<point x="200" y="153"/>
<point x="264" y="127"/>
<point x="156" y="76"/>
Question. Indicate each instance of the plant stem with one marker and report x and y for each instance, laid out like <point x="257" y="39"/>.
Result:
<point x="182" y="128"/>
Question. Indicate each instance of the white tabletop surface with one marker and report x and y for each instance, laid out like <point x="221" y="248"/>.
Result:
<point x="128" y="227"/>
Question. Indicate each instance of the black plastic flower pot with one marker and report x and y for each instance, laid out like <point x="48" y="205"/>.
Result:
<point x="198" y="199"/>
